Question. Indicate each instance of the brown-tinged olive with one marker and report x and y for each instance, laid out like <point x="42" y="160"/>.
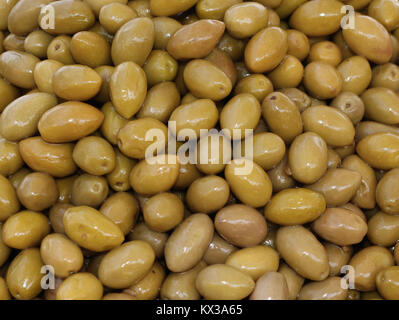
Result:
<point x="367" y="263"/>
<point x="241" y="225"/>
<point x="122" y="208"/>
<point x="34" y="152"/>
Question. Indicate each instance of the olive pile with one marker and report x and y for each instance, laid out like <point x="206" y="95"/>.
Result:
<point x="311" y="88"/>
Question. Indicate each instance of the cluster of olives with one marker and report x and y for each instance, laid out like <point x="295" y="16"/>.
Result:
<point x="310" y="87"/>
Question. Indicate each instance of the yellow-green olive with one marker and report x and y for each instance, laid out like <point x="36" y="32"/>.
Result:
<point x="24" y="275"/>
<point x="220" y="281"/>
<point x="34" y="152"/>
<point x="133" y="41"/>
<point x="303" y="252"/>
<point x="128" y="87"/>
<point x="91" y="229"/>
<point x="295" y="206"/>
<point x="80" y="286"/>
<point x="124" y="265"/>
<point x="187" y="244"/>
<point x="9" y="203"/>
<point x="62" y="254"/>
<point x="266" y="49"/>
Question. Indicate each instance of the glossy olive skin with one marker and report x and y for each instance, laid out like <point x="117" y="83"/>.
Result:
<point x="385" y="75"/>
<point x="386" y="192"/>
<point x="26" y="11"/>
<point x="324" y="14"/>
<point x="188" y="242"/>
<point x="118" y="179"/>
<point x="34" y="150"/>
<point x="268" y="149"/>
<point x="337" y="186"/>
<point x="255" y="84"/>
<point x="148" y="288"/>
<point x="279" y="176"/>
<point x="207" y="81"/>
<point x="181" y="285"/>
<point x="322" y="80"/>
<point x="20" y="118"/>
<point x="326" y="51"/>
<point x="37" y="191"/>
<point x="146" y="172"/>
<point x="289" y="64"/>
<point x="196" y="115"/>
<point x="8" y="93"/>
<point x="241" y="225"/>
<point x="303" y="252"/>
<point x="271" y="286"/>
<point x="80" y="286"/>
<point x="124" y="265"/>
<point x="122" y="208"/>
<point x="365" y="195"/>
<point x="25" y="229"/>
<point x="156" y="239"/>
<point x="332" y="125"/>
<point x="128" y="77"/>
<point x="295" y="206"/>
<point x="293" y="279"/>
<point x="249" y="182"/>
<point x="380" y="150"/>
<point x="208" y="194"/>
<point x="232" y="116"/>
<point x="367" y="263"/>
<point x="160" y="101"/>
<point x="91" y="49"/>
<point x="37" y="43"/>
<point x="337" y="257"/>
<point x="245" y="19"/>
<point x="195" y="40"/>
<point x="89" y="190"/>
<point x="133" y="41"/>
<point x="114" y="15"/>
<point x="308" y="157"/>
<point x="69" y="17"/>
<point x="131" y="137"/>
<point x="91" y="230"/>
<point x="350" y="104"/>
<point x="266" y="49"/>
<point x="94" y="155"/>
<point x="218" y="250"/>
<point x="4" y="293"/>
<point x="282" y="116"/>
<point x="387" y="283"/>
<point x="43" y="74"/>
<point x="328" y="289"/>
<point x="60" y="50"/>
<point x="163" y="212"/>
<point x="76" y="82"/>
<point x="369" y="38"/>
<point x="254" y="261"/>
<point x="383" y="229"/>
<point x="223" y="282"/>
<point x="69" y="121"/>
<point x="60" y="252"/>
<point x="380" y="105"/>
<point x="23" y="275"/>
<point x="56" y="215"/>
<point x="9" y="203"/>
<point x="160" y="8"/>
